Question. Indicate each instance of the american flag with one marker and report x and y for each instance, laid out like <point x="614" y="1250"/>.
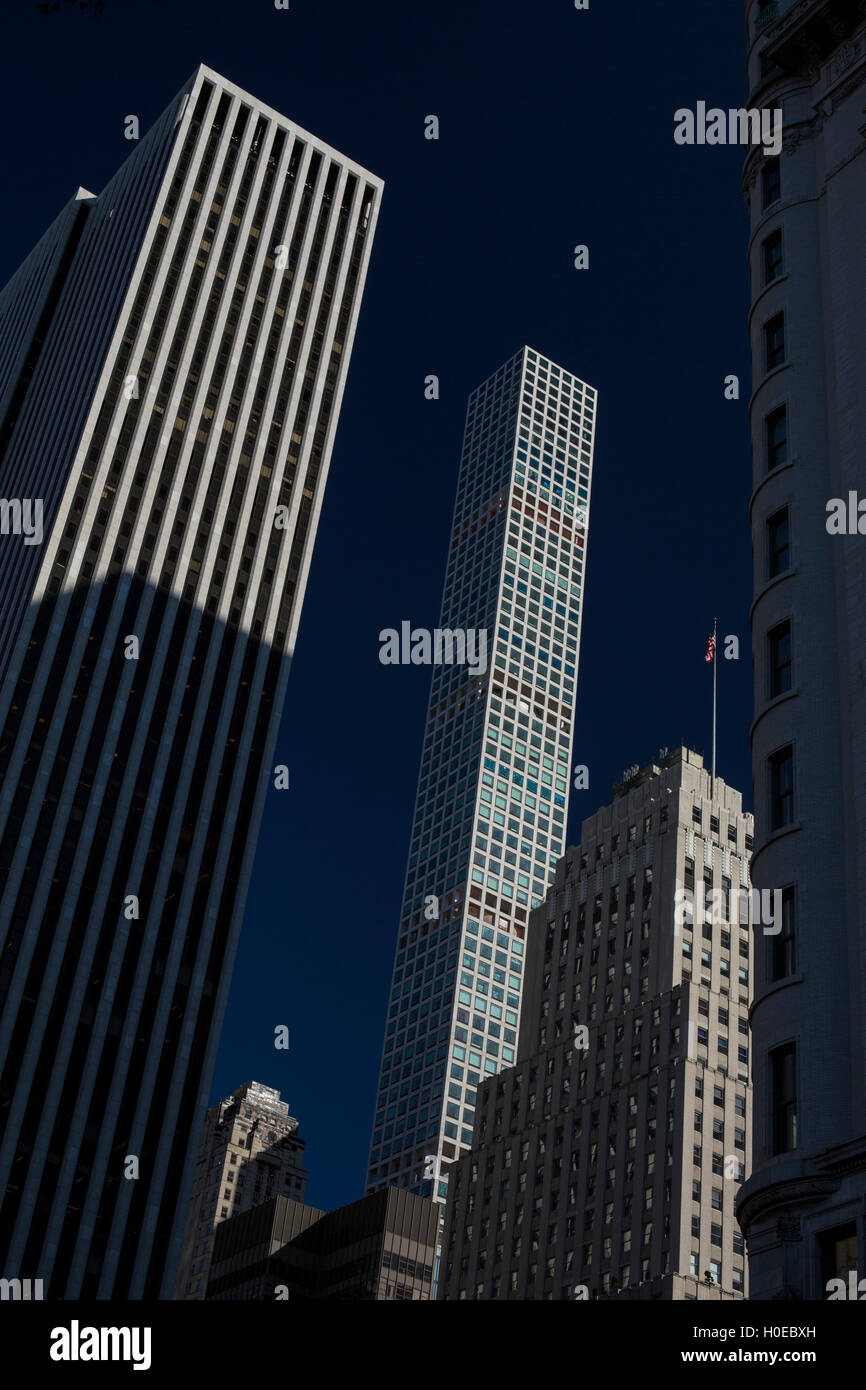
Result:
<point x="711" y="648"/>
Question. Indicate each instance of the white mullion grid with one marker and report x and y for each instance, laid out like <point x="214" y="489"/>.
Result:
<point x="233" y="567"/>
<point x="231" y="467"/>
<point x="232" y="681"/>
<point x="150" y="183"/>
<point x="28" y="944"/>
<point x="102" y="261"/>
<point x="476" y="827"/>
<point x="345" y="356"/>
<point x="269" y="625"/>
<point x="157" y="370"/>
<point x="99" y="265"/>
<point x="101" y="469"/>
<point x="208" y="563"/>
<point x="531" y="681"/>
<point x="82" y="852"/>
<point x="209" y="557"/>
<point x="81" y="855"/>
<point x="252" y="712"/>
<point x="204" y="701"/>
<point x="297" y="384"/>
<point x="19" y="566"/>
<point x="15" y="337"/>
<point x="163" y="657"/>
<point x="50" y="748"/>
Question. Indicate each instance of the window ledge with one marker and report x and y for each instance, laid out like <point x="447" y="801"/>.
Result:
<point x="771" y="705"/>
<point x="771" y="583"/>
<point x="765" y="290"/>
<point x="768" y="376"/>
<point x="774" y="988"/>
<point x="771" y="839"/>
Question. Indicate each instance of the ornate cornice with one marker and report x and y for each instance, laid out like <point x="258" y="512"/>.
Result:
<point x="838" y="85"/>
<point x="847" y="1158"/>
<point x="787" y="19"/>
<point x="793" y="136"/>
<point x="808" y="31"/>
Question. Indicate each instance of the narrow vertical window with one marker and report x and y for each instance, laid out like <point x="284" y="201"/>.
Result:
<point x="778" y="546"/>
<point x="776" y="435"/>
<point x="783" y="1063"/>
<point x="774" y="342"/>
<point x="779" y="659"/>
<point x="771" y="256"/>
<point x="771" y="183"/>
<point x="782" y="788"/>
<point x="782" y="953"/>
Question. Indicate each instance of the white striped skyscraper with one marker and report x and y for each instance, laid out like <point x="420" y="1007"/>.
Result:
<point x="172" y="359"/>
<point x="492" y="797"/>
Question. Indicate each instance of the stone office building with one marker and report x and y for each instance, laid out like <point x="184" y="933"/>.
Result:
<point x="607" y="1160"/>
<point x="250" y="1152"/>
<point x="804" y="1208"/>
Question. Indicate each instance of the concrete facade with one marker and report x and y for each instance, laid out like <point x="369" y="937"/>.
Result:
<point x="250" y="1152"/>
<point x="608" y="1159"/>
<point x="804" y="1208"/>
<point x="172" y="362"/>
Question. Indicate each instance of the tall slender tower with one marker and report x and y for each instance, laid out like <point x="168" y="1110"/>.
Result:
<point x="172" y="360"/>
<point x="804" y="1208"/>
<point x="492" y="795"/>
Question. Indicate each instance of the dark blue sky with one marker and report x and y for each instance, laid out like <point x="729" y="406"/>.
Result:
<point x="556" y="129"/>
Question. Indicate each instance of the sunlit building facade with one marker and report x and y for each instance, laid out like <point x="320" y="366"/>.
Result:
<point x="172" y="360"/>
<point x="492" y="796"/>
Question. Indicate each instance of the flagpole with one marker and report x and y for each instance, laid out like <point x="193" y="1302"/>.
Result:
<point x="715" y="665"/>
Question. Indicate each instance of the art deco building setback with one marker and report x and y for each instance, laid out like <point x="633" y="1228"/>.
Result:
<point x="172" y="360"/>
<point x="379" y="1249"/>
<point x="250" y="1151"/>
<point x="804" y="1208"/>
<point x="607" y="1160"/>
<point x="492" y="796"/>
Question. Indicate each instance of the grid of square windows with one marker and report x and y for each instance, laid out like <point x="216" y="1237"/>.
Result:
<point x="492" y="795"/>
